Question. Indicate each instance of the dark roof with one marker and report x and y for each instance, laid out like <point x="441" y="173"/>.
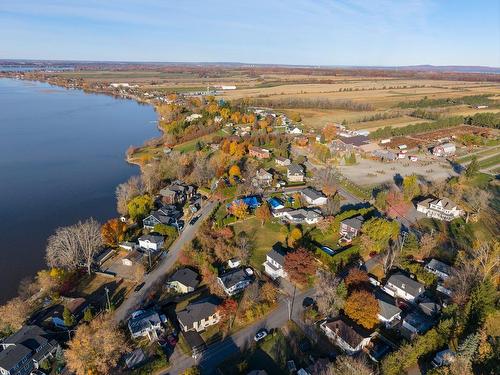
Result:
<point x="12" y="355"/>
<point x="277" y="254"/>
<point x="350" y="333"/>
<point x="437" y="265"/>
<point x="357" y="140"/>
<point x="295" y="169"/>
<point x="419" y="321"/>
<point x="196" y="311"/>
<point x="233" y="277"/>
<point x="186" y="277"/>
<point x="354" y="222"/>
<point x="155" y="238"/>
<point x="145" y="320"/>
<point x="387" y="304"/>
<point x="135" y="358"/>
<point x="312" y="193"/>
<point x="405" y="283"/>
<point x="194" y="339"/>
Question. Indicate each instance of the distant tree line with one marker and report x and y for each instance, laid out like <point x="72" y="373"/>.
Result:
<point x="319" y="103"/>
<point x="425" y="102"/>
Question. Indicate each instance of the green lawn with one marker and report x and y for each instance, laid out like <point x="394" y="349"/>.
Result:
<point x="263" y="237"/>
<point x="490" y="162"/>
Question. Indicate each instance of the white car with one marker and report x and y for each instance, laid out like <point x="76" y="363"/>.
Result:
<point x="261" y="333"/>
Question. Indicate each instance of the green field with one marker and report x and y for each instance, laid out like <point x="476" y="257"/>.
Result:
<point x="490" y="162"/>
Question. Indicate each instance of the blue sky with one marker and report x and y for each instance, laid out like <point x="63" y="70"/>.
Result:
<point x="314" y="32"/>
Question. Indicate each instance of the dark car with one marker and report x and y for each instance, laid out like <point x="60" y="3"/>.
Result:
<point x="139" y="287"/>
<point x="307" y="302"/>
<point x="172" y="340"/>
<point x="193" y="220"/>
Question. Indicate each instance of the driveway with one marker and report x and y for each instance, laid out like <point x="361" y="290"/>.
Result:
<point x="216" y="353"/>
<point x="134" y="301"/>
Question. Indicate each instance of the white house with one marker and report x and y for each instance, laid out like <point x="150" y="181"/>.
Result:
<point x="439" y="208"/>
<point x="263" y="177"/>
<point x="302" y="216"/>
<point x="401" y="286"/>
<point x="349" y="338"/>
<point x="294" y="130"/>
<point x="283" y="162"/>
<point x="275" y="262"/>
<point x="145" y="323"/>
<point x="438" y="268"/>
<point x="445" y="149"/>
<point x="151" y="242"/>
<point x="235" y="280"/>
<point x="194" y="116"/>
<point x="199" y="315"/>
<point x="389" y="314"/>
<point x="313" y="197"/>
<point x="295" y="173"/>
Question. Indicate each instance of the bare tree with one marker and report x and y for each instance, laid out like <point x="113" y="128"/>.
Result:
<point x="89" y="239"/>
<point x="462" y="281"/>
<point x="126" y="191"/>
<point x="63" y="250"/>
<point x="346" y="365"/>
<point x="151" y="177"/>
<point x="486" y="258"/>
<point x="328" y="298"/>
<point x="390" y="256"/>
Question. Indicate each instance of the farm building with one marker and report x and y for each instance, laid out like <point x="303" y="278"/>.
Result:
<point x="446" y="149"/>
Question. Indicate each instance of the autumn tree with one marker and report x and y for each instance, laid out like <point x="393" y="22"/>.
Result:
<point x="380" y="231"/>
<point x="126" y="191"/>
<point x="330" y="293"/>
<point x="300" y="265"/>
<point x="68" y="317"/>
<point x="269" y="292"/>
<point x="356" y="279"/>
<point x="96" y="347"/>
<point x="227" y="311"/>
<point x="294" y="236"/>
<point x="239" y="209"/>
<point x="347" y="365"/>
<point x="140" y="206"/>
<point x="472" y="168"/>
<point x="88" y="235"/>
<point x="13" y="314"/>
<point x="234" y="171"/>
<point x="427" y="244"/>
<point x="194" y="370"/>
<point x="329" y="132"/>
<point x="151" y="177"/>
<point x="362" y="307"/>
<point x="396" y="204"/>
<point x="113" y="232"/>
<point x="263" y="213"/>
<point x="410" y="187"/>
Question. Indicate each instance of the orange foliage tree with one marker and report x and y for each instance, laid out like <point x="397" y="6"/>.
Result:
<point x="113" y="232"/>
<point x="362" y="307"/>
<point x="263" y="213"/>
<point x="356" y="279"/>
<point x="329" y="132"/>
<point x="300" y="265"/>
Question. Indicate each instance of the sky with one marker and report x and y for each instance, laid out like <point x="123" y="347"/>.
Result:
<point x="297" y="32"/>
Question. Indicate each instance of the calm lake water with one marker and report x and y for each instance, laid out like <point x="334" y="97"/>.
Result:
<point x="62" y="156"/>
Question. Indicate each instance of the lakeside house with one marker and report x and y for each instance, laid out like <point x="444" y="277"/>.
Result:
<point x="151" y="242"/>
<point x="166" y="215"/>
<point x="23" y="352"/>
<point x="177" y="193"/>
<point x="199" y="315"/>
<point x="184" y="280"/>
<point x="439" y="208"/>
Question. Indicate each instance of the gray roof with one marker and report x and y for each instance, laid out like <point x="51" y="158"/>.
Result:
<point x="350" y="333"/>
<point x="387" y="305"/>
<point x="354" y="222"/>
<point x="196" y="311"/>
<point x="295" y="169"/>
<point x="277" y="254"/>
<point x="233" y="277"/>
<point x="135" y="358"/>
<point x="28" y="341"/>
<point x="419" y="321"/>
<point x="186" y="277"/>
<point x="312" y="193"/>
<point x="145" y="320"/>
<point x="437" y="265"/>
<point x="155" y="238"/>
<point x="357" y="140"/>
<point x="405" y="283"/>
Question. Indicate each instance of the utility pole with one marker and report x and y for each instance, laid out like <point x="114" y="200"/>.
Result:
<point x="290" y="302"/>
<point x="107" y="297"/>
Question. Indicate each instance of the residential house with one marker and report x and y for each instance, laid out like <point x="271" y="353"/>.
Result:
<point x="259" y="153"/>
<point x="313" y="197"/>
<point x="145" y="323"/>
<point x="439" y="208"/>
<point x="166" y="215"/>
<point x="445" y="149"/>
<point x="349" y="337"/>
<point x="438" y="268"/>
<point x="234" y="263"/>
<point x="132" y="258"/>
<point x="295" y="173"/>
<point x="199" y="315"/>
<point x="348" y="143"/>
<point x="263" y="177"/>
<point x="103" y="256"/>
<point x="417" y="322"/>
<point x="177" y="192"/>
<point x="151" y="242"/>
<point x="389" y="314"/>
<point x="401" y="286"/>
<point x="294" y="130"/>
<point x="282" y="162"/>
<point x="135" y="358"/>
<point x="275" y="262"/>
<point x="184" y="280"/>
<point x="350" y="228"/>
<point x="235" y="280"/>
<point x="301" y="215"/>
<point x="24" y="351"/>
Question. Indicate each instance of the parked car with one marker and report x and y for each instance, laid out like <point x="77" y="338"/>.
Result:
<point x="307" y="302"/>
<point x="193" y="220"/>
<point x="261" y="333"/>
<point x="172" y="340"/>
<point x="139" y="287"/>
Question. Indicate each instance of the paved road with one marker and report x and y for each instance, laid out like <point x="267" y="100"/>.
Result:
<point x="135" y="299"/>
<point x="220" y="351"/>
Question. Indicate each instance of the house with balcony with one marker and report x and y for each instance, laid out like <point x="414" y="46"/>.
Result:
<point x="401" y="286"/>
<point x="350" y="228"/>
<point x="439" y="208"/>
<point x="146" y="323"/>
<point x="275" y="262"/>
<point x="152" y="242"/>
